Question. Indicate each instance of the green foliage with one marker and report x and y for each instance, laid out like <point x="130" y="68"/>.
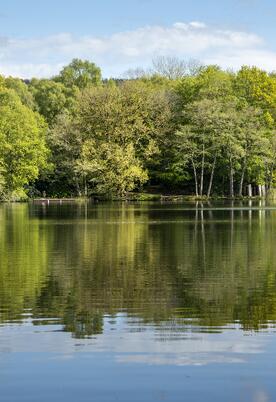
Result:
<point x="257" y="87"/>
<point x="111" y="169"/>
<point x="52" y="98"/>
<point x="80" y="73"/>
<point x="22" y="148"/>
<point x="196" y="129"/>
<point x="22" y="90"/>
<point x="133" y="112"/>
<point x="112" y="137"/>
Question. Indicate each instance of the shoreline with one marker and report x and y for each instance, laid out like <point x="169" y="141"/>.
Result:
<point x="144" y="198"/>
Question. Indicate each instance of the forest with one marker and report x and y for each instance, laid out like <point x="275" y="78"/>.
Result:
<point x="176" y="128"/>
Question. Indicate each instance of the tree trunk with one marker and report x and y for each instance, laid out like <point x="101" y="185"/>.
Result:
<point x="202" y="170"/>
<point x="270" y="179"/>
<point x="195" y="177"/>
<point x="78" y="187"/>
<point x="85" y="187"/>
<point x="231" y="182"/>
<point x="242" y="179"/>
<point x="249" y="190"/>
<point x="212" y="177"/>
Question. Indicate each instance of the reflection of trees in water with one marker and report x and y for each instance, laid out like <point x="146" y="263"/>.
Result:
<point x="162" y="265"/>
<point x="24" y="248"/>
<point x="237" y="279"/>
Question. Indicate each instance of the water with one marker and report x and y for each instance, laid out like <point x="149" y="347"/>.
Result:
<point x="138" y="302"/>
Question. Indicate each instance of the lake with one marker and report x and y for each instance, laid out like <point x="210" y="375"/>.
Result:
<point x="138" y="302"/>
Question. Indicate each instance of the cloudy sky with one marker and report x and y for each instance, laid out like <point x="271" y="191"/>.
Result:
<point x="38" y="37"/>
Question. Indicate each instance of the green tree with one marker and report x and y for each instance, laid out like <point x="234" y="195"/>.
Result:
<point x="22" y="90"/>
<point x="52" y="98"/>
<point x="255" y="142"/>
<point x="211" y="82"/>
<point x="80" y="73"/>
<point x="22" y="146"/>
<point x="257" y="87"/>
<point x="110" y="168"/>
<point x="199" y="142"/>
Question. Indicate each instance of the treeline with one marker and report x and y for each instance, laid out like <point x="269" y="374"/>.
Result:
<point x="179" y="127"/>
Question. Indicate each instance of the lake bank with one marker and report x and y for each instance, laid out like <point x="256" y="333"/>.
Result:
<point x="150" y="197"/>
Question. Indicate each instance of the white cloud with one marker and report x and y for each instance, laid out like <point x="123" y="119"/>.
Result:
<point x="120" y="51"/>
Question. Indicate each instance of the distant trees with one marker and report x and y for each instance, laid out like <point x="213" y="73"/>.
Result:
<point x="113" y="137"/>
<point x="224" y="134"/>
<point x="180" y="125"/>
<point x="79" y="73"/>
<point x="174" y="68"/>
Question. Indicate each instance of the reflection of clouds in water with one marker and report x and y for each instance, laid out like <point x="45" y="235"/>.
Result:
<point x="127" y="344"/>
<point x="179" y="359"/>
<point x="261" y="396"/>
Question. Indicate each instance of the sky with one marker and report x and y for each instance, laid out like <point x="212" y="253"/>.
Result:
<point x="38" y="37"/>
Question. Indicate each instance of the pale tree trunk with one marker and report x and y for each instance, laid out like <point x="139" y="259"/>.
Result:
<point x="232" y="183"/>
<point x="212" y="177"/>
<point x="242" y="179"/>
<point x="85" y="187"/>
<point x="261" y="190"/>
<point x="202" y="170"/>
<point x="266" y="178"/>
<point x="270" y="177"/>
<point x="231" y="180"/>
<point x="195" y="177"/>
<point x="203" y="237"/>
<point x="78" y="187"/>
<point x="249" y="190"/>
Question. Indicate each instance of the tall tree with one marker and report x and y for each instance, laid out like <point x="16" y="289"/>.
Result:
<point x="80" y="73"/>
<point x="23" y="152"/>
<point x="52" y="98"/>
<point x="111" y="169"/>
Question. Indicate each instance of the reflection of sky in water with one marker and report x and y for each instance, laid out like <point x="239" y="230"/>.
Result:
<point x="134" y="362"/>
<point x="132" y="341"/>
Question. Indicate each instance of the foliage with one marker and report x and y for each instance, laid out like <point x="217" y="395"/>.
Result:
<point x="22" y="148"/>
<point x="22" y="91"/>
<point x="80" y="73"/>
<point x="180" y="127"/>
<point x="52" y="98"/>
<point x="111" y="169"/>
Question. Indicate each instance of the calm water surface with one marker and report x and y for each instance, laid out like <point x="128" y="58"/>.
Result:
<point x="138" y="302"/>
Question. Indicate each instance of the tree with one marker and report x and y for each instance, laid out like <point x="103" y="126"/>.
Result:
<point x="110" y="168"/>
<point x="65" y="142"/>
<point x="174" y="68"/>
<point x="80" y="73"/>
<point x="135" y="118"/>
<point x="22" y="91"/>
<point x="52" y="98"/>
<point x="211" y="82"/>
<point x="199" y="141"/>
<point x="134" y="112"/>
<point x="255" y="144"/>
<point x="257" y="88"/>
<point x="23" y="152"/>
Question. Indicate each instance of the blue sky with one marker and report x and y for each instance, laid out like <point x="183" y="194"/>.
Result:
<point x="38" y="37"/>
